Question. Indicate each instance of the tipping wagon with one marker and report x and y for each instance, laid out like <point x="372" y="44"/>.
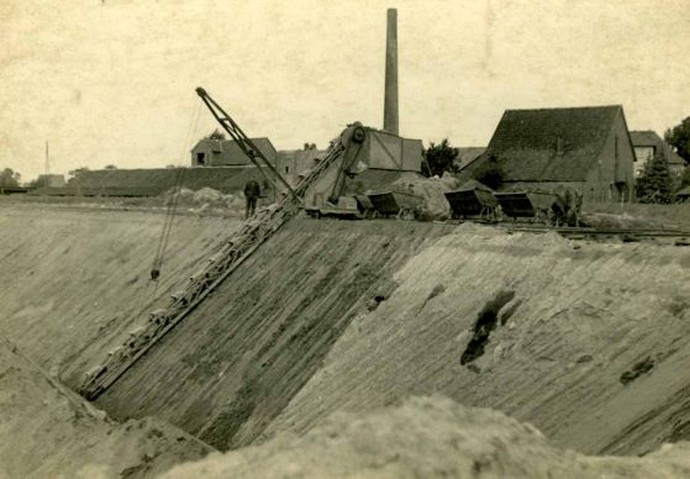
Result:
<point x="395" y="203"/>
<point x="472" y="201"/>
<point x="530" y="205"/>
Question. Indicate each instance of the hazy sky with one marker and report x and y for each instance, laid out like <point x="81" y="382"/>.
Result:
<point x="112" y="81"/>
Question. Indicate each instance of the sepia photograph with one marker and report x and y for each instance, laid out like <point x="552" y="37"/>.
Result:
<point x="344" y="239"/>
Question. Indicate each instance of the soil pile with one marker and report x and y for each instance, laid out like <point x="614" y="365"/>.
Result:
<point x="431" y="438"/>
<point x="434" y="205"/>
<point x="46" y="431"/>
<point x="206" y="200"/>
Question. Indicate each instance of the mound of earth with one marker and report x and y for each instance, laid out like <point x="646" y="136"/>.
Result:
<point x="46" y="431"/>
<point x="434" y="205"/>
<point x="205" y="199"/>
<point x="431" y="438"/>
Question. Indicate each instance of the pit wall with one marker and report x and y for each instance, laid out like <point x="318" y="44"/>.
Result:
<point x="75" y="281"/>
<point x="236" y="361"/>
<point x="584" y="340"/>
<point x="588" y="342"/>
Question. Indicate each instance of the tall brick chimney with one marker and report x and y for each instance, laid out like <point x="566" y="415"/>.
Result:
<point x="390" y="105"/>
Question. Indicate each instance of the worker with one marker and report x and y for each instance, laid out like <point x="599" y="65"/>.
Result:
<point x="252" y="191"/>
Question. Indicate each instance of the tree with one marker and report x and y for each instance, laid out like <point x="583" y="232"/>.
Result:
<point x="679" y="138"/>
<point x="684" y="178"/>
<point x="216" y="135"/>
<point x="440" y="158"/>
<point x="110" y="167"/>
<point x="490" y="172"/>
<point x="74" y="174"/>
<point x="9" y="177"/>
<point x="655" y="183"/>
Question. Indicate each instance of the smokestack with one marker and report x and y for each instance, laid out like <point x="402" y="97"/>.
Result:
<point x="390" y="105"/>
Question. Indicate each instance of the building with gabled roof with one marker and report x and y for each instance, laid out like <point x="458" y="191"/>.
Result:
<point x="290" y="163"/>
<point x="468" y="154"/>
<point x="587" y="148"/>
<point x="209" y="152"/>
<point x="647" y="144"/>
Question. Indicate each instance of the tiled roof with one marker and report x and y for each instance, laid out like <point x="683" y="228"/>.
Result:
<point x="467" y="154"/>
<point x="558" y="144"/>
<point x="650" y="138"/>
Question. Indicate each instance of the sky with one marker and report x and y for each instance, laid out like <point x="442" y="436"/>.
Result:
<point x="112" y="81"/>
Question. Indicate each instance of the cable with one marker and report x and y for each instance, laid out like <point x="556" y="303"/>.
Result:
<point x="172" y="204"/>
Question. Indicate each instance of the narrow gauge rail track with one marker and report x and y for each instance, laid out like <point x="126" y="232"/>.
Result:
<point x="589" y="233"/>
<point x="682" y="238"/>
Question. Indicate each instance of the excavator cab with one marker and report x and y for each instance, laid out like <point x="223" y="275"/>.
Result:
<point x="337" y="204"/>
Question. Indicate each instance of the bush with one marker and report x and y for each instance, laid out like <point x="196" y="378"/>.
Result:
<point x="655" y="184"/>
<point x="490" y="173"/>
<point x="439" y="158"/>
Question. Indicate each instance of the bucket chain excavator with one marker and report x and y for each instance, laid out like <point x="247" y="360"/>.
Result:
<point x="230" y="254"/>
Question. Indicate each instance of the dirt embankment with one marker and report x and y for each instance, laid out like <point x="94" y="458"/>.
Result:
<point x="429" y="438"/>
<point x="236" y="361"/>
<point x="586" y="341"/>
<point x="74" y="281"/>
<point x="48" y="431"/>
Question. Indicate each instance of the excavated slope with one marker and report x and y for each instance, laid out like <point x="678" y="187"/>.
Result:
<point x="236" y="361"/>
<point x="588" y="342"/>
<point x="46" y="431"/>
<point x="74" y="280"/>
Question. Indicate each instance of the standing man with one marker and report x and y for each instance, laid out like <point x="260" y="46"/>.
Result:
<point x="252" y="191"/>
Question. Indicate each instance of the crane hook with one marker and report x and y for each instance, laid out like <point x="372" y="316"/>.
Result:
<point x="155" y="274"/>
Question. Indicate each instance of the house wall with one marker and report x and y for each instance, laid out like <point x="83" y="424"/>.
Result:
<point x="612" y="179"/>
<point x="213" y="157"/>
<point x="291" y="163"/>
<point x="674" y="168"/>
<point x="51" y="181"/>
<point x="227" y="154"/>
<point x="642" y="155"/>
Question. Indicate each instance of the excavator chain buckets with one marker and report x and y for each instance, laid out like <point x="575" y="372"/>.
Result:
<point x="229" y="255"/>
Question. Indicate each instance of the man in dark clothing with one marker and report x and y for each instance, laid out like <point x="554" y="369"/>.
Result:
<point x="252" y="191"/>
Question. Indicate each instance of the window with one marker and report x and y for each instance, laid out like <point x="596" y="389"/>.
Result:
<point x="287" y="169"/>
<point x="201" y="158"/>
<point x="615" y="146"/>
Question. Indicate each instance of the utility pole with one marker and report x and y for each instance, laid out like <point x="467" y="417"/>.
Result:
<point x="47" y="159"/>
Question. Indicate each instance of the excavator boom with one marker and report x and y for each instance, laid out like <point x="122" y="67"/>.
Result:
<point x="229" y="255"/>
<point x="243" y="141"/>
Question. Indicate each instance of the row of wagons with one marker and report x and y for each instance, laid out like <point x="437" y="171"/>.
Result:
<point x="474" y="202"/>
